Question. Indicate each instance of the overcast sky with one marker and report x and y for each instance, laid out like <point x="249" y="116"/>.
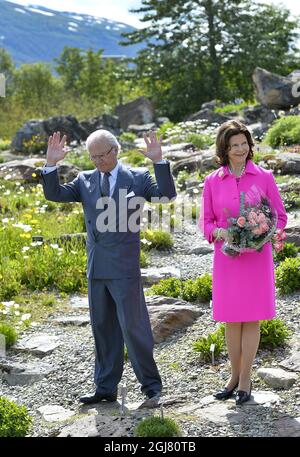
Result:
<point x="118" y="9"/>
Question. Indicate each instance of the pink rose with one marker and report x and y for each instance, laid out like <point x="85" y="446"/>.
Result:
<point x="261" y="218"/>
<point x="281" y="234"/>
<point x="241" y="221"/>
<point x="257" y="231"/>
<point x="252" y="216"/>
<point x="278" y="246"/>
<point x="264" y="227"/>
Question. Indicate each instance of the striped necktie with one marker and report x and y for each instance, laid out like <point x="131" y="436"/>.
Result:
<point x="105" y="184"/>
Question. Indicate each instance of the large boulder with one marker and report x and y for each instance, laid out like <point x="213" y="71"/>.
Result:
<point x="139" y="111"/>
<point x="106" y="122"/>
<point x="168" y="314"/>
<point x="40" y="130"/>
<point x="208" y="116"/>
<point x="258" y="114"/>
<point x="27" y="170"/>
<point x="275" y="91"/>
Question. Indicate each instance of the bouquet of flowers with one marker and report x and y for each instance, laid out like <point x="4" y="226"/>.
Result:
<point x="255" y="226"/>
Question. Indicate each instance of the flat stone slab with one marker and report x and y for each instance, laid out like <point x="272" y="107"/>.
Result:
<point x="219" y="413"/>
<point x="152" y="276"/>
<point x="292" y="363"/>
<point x="17" y="374"/>
<point x="72" y="320"/>
<point x="96" y="426"/>
<point x="277" y="378"/>
<point x="55" y="413"/>
<point x="79" y="302"/>
<point x="40" y="345"/>
<point x="288" y="426"/>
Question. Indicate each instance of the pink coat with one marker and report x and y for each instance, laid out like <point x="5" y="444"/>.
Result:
<point x="243" y="286"/>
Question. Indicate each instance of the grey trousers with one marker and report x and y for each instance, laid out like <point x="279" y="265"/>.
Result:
<point x="119" y="314"/>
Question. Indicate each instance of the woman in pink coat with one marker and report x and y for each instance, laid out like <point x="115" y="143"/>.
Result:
<point x="243" y="286"/>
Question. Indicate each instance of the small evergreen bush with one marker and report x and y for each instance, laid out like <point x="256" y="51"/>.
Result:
<point x="9" y="333"/>
<point x="284" y="131"/>
<point x="127" y="137"/>
<point x="157" y="427"/>
<point x="157" y="239"/>
<point x="273" y="333"/>
<point x="203" y="345"/>
<point x="288" y="276"/>
<point x="14" y="419"/>
<point x="190" y="290"/>
<point x="289" y="250"/>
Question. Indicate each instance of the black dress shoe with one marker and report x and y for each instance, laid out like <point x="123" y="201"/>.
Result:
<point x="225" y="393"/>
<point x="97" y="398"/>
<point x="242" y="396"/>
<point x="153" y="393"/>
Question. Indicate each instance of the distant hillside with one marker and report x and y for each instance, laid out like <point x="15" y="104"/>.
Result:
<point x="34" y="33"/>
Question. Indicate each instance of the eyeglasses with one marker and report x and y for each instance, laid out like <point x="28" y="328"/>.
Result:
<point x="100" y="156"/>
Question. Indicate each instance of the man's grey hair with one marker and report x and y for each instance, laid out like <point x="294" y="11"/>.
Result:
<point x="102" y="136"/>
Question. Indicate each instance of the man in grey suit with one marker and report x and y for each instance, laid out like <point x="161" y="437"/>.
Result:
<point x="117" y="305"/>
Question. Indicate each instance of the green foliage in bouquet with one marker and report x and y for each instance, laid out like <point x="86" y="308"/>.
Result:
<point x="157" y="427"/>
<point x="203" y="345"/>
<point x="14" y="419"/>
<point x="289" y="250"/>
<point x="254" y="226"/>
<point x="273" y="333"/>
<point x="288" y="276"/>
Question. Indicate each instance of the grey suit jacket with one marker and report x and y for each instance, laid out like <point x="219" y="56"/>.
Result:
<point x="111" y="255"/>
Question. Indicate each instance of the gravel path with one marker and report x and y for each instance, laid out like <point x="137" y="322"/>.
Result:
<point x="187" y="379"/>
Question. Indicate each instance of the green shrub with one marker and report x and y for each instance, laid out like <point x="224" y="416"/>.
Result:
<point x="289" y="250"/>
<point x="80" y="158"/>
<point x="204" y="343"/>
<point x="157" y="427"/>
<point x="127" y="137"/>
<point x="199" y="141"/>
<point x="157" y="239"/>
<point x="4" y="144"/>
<point x="182" y="178"/>
<point x="291" y="200"/>
<point x="163" y="129"/>
<point x="134" y="158"/>
<point x="273" y="333"/>
<point x="198" y="290"/>
<point x="171" y="287"/>
<point x="288" y="276"/>
<point x="232" y="107"/>
<point x="35" y="145"/>
<point x="143" y="259"/>
<point x="14" y="419"/>
<point x="190" y="290"/>
<point x="9" y="333"/>
<point x="284" y="131"/>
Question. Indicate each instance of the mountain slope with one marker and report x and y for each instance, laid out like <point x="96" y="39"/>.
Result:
<point x="34" y="33"/>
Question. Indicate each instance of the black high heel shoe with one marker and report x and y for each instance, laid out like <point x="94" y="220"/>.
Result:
<point x="225" y="393"/>
<point x="242" y="396"/>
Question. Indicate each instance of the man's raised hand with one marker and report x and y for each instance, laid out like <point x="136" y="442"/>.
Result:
<point x="56" y="149"/>
<point x="153" y="151"/>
